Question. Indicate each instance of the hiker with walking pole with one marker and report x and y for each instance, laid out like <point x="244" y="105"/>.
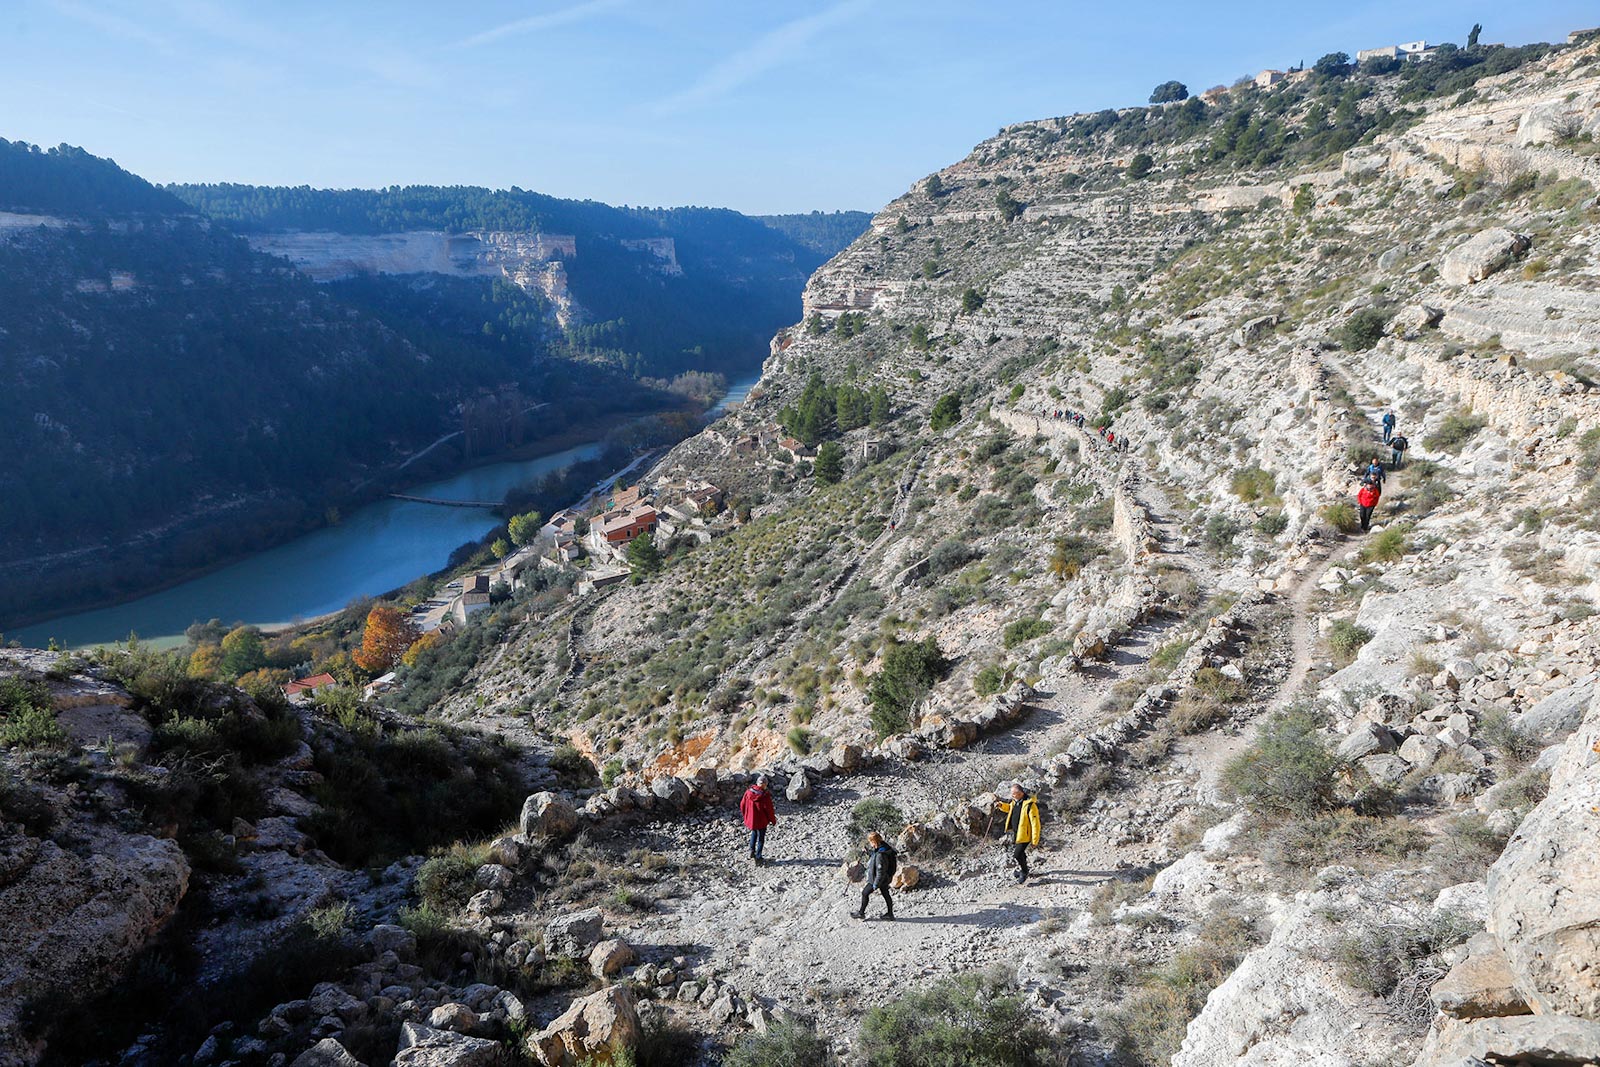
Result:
<point x="881" y="864"/>
<point x="1022" y="826"/>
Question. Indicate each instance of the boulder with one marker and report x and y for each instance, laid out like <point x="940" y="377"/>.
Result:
<point x="457" y="1017"/>
<point x="486" y="902"/>
<point x="852" y="871"/>
<point x="1420" y="751"/>
<point x="724" y="1009"/>
<point x="608" y="958"/>
<point x="801" y="787"/>
<point x="574" y="936"/>
<point x="594" y="1032"/>
<point x="670" y="790"/>
<point x="493" y="876"/>
<point x="846" y="758"/>
<point x="1385" y="770"/>
<point x="326" y="1053"/>
<point x="1254" y="330"/>
<point x="959" y="733"/>
<point x="548" y="815"/>
<point x="1554" y="121"/>
<point x="509" y="851"/>
<point x="423" y="1046"/>
<point x="1537" y="1039"/>
<point x="906" y="877"/>
<point x="1557" y="715"/>
<point x="1544" y="890"/>
<point x="1480" y="986"/>
<point x="1413" y="319"/>
<point x="1370" y="739"/>
<point x="1481" y="255"/>
<point x="386" y="937"/>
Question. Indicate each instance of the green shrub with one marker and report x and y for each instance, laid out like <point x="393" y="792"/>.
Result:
<point x="1386" y="547"/>
<point x="1342" y="516"/>
<point x="910" y="669"/>
<point x="946" y="412"/>
<point x="1308" y="844"/>
<point x="1024" y="630"/>
<point x="964" y="1021"/>
<point x="1363" y="329"/>
<point x="1287" y="770"/>
<point x="27" y="715"/>
<point x="785" y="1044"/>
<point x="989" y="680"/>
<point x="1345" y="639"/>
<point x="873" y="813"/>
<point x="1071" y="554"/>
<point x="1497" y="730"/>
<point x="1454" y="431"/>
<point x="1376" y="959"/>
<point x="445" y="882"/>
<point x="1222" y="531"/>
<point x="1272" y="524"/>
<point x="1253" y="483"/>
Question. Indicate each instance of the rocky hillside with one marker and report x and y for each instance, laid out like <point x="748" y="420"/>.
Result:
<point x="1313" y="793"/>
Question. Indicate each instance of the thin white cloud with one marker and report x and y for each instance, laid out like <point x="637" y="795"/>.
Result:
<point x="111" y="23"/>
<point x="548" y="21"/>
<point x="772" y="49"/>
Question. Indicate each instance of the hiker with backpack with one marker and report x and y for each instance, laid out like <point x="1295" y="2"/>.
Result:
<point x="758" y="812"/>
<point x="1388" y="426"/>
<point x="1398" y="445"/>
<point x="1367" y="499"/>
<point x="1022" y="826"/>
<point x="882" y="861"/>
<point x="1375" y="472"/>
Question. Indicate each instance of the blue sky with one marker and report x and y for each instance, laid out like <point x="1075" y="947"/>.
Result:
<point x="762" y="106"/>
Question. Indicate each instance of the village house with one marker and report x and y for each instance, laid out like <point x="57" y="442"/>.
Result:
<point x="615" y="531"/>
<point x="703" y="498"/>
<point x="473" y="599"/>
<point x="1268" y="78"/>
<point x="795" y="449"/>
<point x="747" y="444"/>
<point x="384" y="683"/>
<point x="627" y="498"/>
<point x="1410" y="51"/>
<point x="566" y="548"/>
<point x="302" y="687"/>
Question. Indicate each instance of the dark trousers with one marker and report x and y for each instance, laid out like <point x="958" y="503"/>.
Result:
<point x="866" y="895"/>
<point x="758" y="841"/>
<point x="1388" y="432"/>
<point x="1020" y="854"/>
<point x="1366" y="517"/>
<point x="1398" y="456"/>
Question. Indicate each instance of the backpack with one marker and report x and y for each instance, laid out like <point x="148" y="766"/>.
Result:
<point x="888" y="863"/>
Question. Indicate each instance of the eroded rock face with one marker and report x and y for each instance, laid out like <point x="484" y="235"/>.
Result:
<point x="1544" y="891"/>
<point x="71" y="920"/>
<point x="594" y="1031"/>
<point x="548" y="815"/>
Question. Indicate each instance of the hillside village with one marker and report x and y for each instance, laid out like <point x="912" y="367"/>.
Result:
<point x="1313" y="792"/>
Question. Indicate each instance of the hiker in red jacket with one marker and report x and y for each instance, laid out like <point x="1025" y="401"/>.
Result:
<point x="1367" y="499"/>
<point x="756" y="807"/>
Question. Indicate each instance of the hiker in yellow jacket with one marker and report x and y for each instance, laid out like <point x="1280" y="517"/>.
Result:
<point x="1022" y="826"/>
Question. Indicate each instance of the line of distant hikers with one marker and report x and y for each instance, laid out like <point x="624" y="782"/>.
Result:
<point x="1373" y="474"/>
<point x="1115" y="443"/>
<point x="1022" y="832"/>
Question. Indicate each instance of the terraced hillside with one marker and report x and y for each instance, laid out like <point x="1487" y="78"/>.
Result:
<point x="1314" y="794"/>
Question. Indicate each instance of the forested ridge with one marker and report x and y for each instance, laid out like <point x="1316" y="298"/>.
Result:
<point x="157" y="374"/>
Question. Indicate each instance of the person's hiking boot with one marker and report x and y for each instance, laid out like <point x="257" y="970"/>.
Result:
<point x="862" y="914"/>
<point x="1021" y="877"/>
<point x="889" y="918"/>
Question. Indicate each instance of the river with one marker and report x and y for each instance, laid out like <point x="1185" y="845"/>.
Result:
<point x="380" y="547"/>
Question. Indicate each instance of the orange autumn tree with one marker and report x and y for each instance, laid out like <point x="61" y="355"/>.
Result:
<point x="388" y="635"/>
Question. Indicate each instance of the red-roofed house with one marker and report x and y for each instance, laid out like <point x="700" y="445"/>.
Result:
<point x="309" y="685"/>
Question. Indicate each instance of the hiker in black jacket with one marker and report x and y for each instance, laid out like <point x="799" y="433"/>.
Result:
<point x="881" y="863"/>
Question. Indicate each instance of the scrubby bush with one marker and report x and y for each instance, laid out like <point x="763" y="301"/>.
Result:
<point x="950" y="555"/>
<point x="785" y="1044"/>
<point x="910" y="669"/>
<point x="1386" y="547"/>
<point x="873" y="813"/>
<point x="963" y="1021"/>
<point x="27" y="715"/>
<point x="445" y="881"/>
<point x="1287" y="770"/>
<point x="1071" y="554"/>
<point x="1342" y="516"/>
<point x="1221" y="533"/>
<point x="946" y="413"/>
<point x="1253" y="483"/>
<point x="1454" y="431"/>
<point x="1272" y="524"/>
<point x="1345" y="639"/>
<point x="1363" y="329"/>
<point x="989" y="680"/>
<point x="1024" y="630"/>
